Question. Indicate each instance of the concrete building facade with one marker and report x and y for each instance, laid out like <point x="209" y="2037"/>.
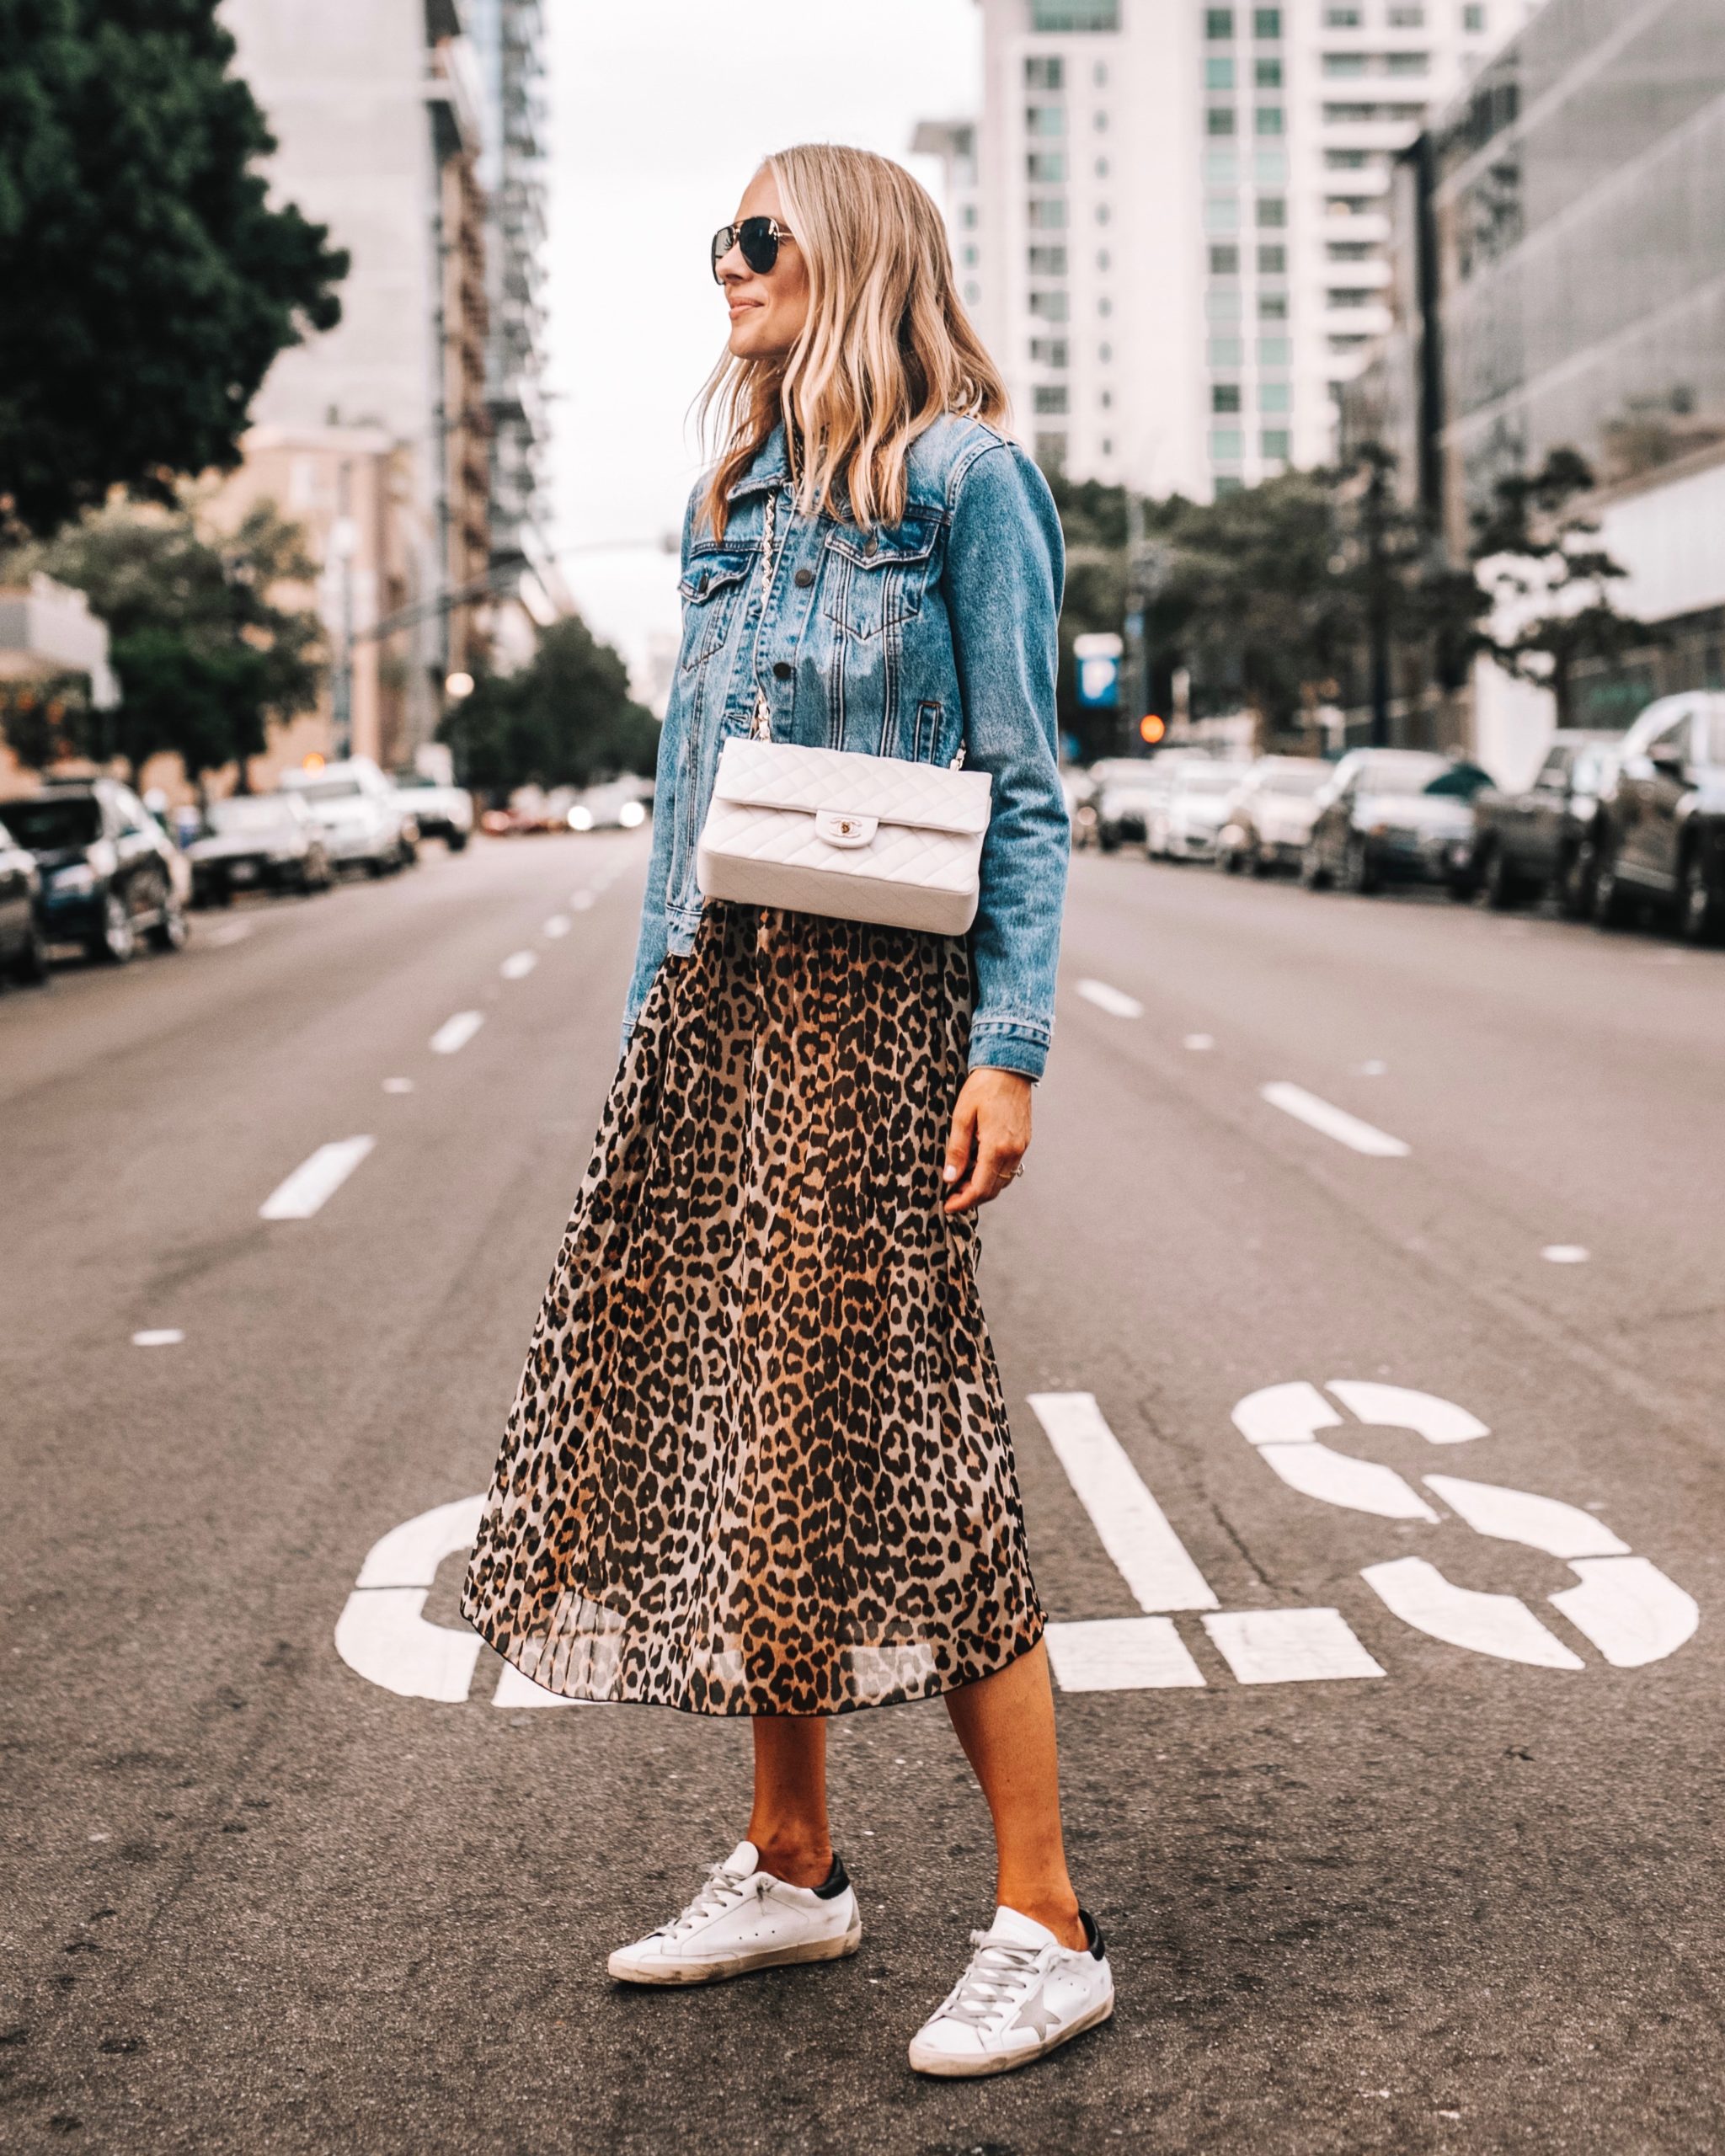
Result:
<point x="1180" y="218"/>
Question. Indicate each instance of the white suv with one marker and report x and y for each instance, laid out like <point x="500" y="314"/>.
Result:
<point x="363" y="822"/>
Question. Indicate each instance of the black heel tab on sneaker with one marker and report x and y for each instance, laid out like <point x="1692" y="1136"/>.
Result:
<point x="835" y="1880"/>
<point x="1092" y="1935"/>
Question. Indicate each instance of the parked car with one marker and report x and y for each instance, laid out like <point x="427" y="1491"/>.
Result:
<point x="23" y="949"/>
<point x="1270" y="818"/>
<point x="111" y="876"/>
<point x="438" y="811"/>
<point x="1543" y="839"/>
<point x="1080" y="788"/>
<point x="363" y="823"/>
<point x="614" y="806"/>
<point x="1400" y="814"/>
<point x="1184" y="824"/>
<point x="258" y="841"/>
<point x="1128" y="791"/>
<point x="1661" y="829"/>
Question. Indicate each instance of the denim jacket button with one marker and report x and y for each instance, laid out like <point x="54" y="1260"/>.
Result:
<point x="803" y="579"/>
<point x="873" y="547"/>
<point x="782" y="669"/>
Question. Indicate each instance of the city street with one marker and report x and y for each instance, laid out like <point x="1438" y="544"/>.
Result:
<point x="1361" y="1315"/>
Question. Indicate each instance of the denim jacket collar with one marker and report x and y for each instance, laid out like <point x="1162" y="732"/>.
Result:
<point x="771" y="467"/>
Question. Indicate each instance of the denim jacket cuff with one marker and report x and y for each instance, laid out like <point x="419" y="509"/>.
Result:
<point x="996" y="1044"/>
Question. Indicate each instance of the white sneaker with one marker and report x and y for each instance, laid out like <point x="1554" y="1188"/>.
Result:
<point x="1023" y="1995"/>
<point x="744" y="1919"/>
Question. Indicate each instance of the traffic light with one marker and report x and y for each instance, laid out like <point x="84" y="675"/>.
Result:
<point x="1151" y="728"/>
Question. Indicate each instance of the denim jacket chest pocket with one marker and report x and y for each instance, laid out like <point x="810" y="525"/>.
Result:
<point x="877" y="580"/>
<point x="710" y="591"/>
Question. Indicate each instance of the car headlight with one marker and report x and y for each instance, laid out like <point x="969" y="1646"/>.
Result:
<point x="630" y="814"/>
<point x="74" y="882"/>
<point x="580" y="818"/>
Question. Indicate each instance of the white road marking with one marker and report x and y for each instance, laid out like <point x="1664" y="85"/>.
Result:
<point x="1522" y="1516"/>
<point x="1198" y="1043"/>
<point x="1283" y="1414"/>
<point x="316" y="1181"/>
<point x="558" y="925"/>
<point x="1114" y="1000"/>
<point x="515" y="1690"/>
<point x="582" y="900"/>
<point x="1337" y="1478"/>
<point x="1496" y="1624"/>
<point x="1132" y="1526"/>
<point x="1333" y="1122"/>
<point x="408" y="1555"/>
<point x="398" y="1084"/>
<point x="161" y="1336"/>
<point x="1372" y="1070"/>
<point x="1438" y="1421"/>
<point x="1629" y="1610"/>
<point x="519" y="965"/>
<point x="381" y="1633"/>
<point x="1289" y="1647"/>
<point x="1120" y="1654"/>
<point x="1565" y="1254"/>
<point x="455" y="1032"/>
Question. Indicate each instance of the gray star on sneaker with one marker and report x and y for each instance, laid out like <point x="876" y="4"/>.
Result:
<point x="1034" y="2015"/>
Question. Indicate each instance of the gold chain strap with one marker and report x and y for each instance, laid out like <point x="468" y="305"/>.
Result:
<point x="760" y="725"/>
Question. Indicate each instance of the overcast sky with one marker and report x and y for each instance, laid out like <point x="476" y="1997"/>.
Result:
<point x="660" y="109"/>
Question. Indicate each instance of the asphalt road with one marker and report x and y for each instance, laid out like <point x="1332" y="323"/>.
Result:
<point x="1393" y="1852"/>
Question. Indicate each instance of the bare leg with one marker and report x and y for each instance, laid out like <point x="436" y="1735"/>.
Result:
<point x="787" y="1823"/>
<point x="1005" y="1724"/>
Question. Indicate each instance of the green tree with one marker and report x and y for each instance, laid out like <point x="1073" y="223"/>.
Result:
<point x="149" y="283"/>
<point x="206" y="653"/>
<point x="565" y="719"/>
<point x="1533" y="550"/>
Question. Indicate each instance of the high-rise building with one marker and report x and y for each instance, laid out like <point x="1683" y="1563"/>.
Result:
<point x="392" y="438"/>
<point x="1181" y="222"/>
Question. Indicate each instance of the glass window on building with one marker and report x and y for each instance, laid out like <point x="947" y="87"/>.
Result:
<point x="1099" y="74"/>
<point x="1222" y="213"/>
<point x="1267" y="120"/>
<point x="1351" y="250"/>
<point x="1276" y="442"/>
<point x="1473" y="19"/>
<point x="1347" y="160"/>
<point x="1269" y="168"/>
<point x="1224" y="262"/>
<point x="1049" y="307"/>
<point x="1056" y="16"/>
<point x="1345" y="295"/>
<point x="1047" y="213"/>
<point x="1218" y="74"/>
<point x="1409" y="63"/>
<point x="1266" y="22"/>
<point x="1047" y="262"/>
<point x="1221" y="168"/>
<point x="1228" y="483"/>
<point x="1273" y="397"/>
<point x="1273" y="211"/>
<point x="969" y="219"/>
<point x="1102" y="167"/>
<point x="1102" y="213"/>
<point x="1225" y="396"/>
<point x="1406" y="19"/>
<point x="1045" y="71"/>
<point x="1342" y="19"/>
<point x="1267" y="74"/>
<point x="1225" y="352"/>
<point x="973" y="295"/>
<point x="1219" y="22"/>
<point x="1339" y="64"/>
<point x="1272" y="307"/>
<point x="1050" y="398"/>
<point x="1046" y="165"/>
<point x="1108" y="400"/>
<point x="1227" y="445"/>
<point x="1348" y="115"/>
<point x="1218" y="120"/>
<point x="1105" y="306"/>
<point x="1108" y="445"/>
<point x="1105" y="353"/>
<point x="971" y="258"/>
<point x="1275" y="351"/>
<point x="1102" y="123"/>
<point x="1051" y="452"/>
<point x="1104" y="260"/>
<point x="1222" y="304"/>
<point x="1272" y="261"/>
<point x="1045" y="119"/>
<point x="1047" y="351"/>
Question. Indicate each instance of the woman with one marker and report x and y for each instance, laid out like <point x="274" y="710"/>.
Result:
<point x="760" y="1463"/>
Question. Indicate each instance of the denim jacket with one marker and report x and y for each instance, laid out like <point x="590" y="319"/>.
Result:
<point x="913" y="641"/>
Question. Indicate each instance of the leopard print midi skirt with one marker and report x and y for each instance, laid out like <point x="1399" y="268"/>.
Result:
<point x="759" y="1462"/>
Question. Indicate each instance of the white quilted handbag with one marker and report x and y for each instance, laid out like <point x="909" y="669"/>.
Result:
<point x="855" y="837"/>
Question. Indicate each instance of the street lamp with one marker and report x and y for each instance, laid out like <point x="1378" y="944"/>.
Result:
<point x="458" y="686"/>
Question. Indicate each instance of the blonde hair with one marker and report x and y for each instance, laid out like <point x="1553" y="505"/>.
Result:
<point x="886" y="349"/>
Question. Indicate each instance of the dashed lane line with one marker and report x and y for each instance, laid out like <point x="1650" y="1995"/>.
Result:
<point x="316" y="1181"/>
<point x="1333" y="1122"/>
<point x="519" y="965"/>
<point x="558" y="925"/>
<point x="1114" y="1000"/>
<point x="158" y="1336"/>
<point x="454" y="1033"/>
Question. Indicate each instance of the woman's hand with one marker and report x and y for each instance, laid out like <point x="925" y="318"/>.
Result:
<point x="990" y="1136"/>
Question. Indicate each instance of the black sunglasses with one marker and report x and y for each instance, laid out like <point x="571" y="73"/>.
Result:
<point x="759" y="239"/>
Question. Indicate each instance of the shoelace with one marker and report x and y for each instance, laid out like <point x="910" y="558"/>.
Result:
<point x="723" y="1891"/>
<point x="995" y="1979"/>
